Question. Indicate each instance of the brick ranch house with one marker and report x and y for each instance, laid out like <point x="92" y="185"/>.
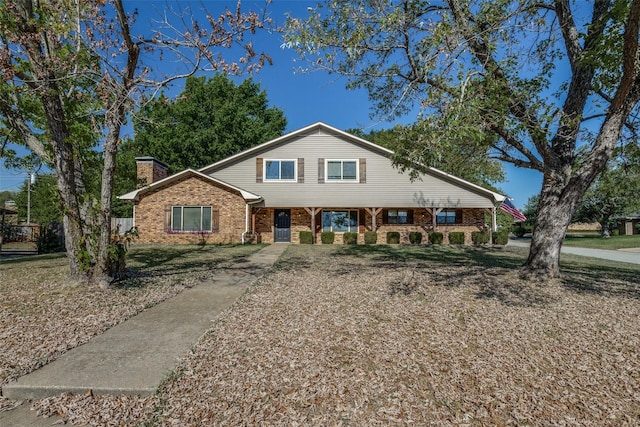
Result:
<point x="317" y="178"/>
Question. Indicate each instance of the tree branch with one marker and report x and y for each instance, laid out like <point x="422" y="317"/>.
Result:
<point x="517" y="106"/>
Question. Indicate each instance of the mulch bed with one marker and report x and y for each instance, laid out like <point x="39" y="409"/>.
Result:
<point x="336" y="337"/>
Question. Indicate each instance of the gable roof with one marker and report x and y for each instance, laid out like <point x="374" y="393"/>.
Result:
<point x="294" y="135"/>
<point x="320" y="126"/>
<point x="135" y="195"/>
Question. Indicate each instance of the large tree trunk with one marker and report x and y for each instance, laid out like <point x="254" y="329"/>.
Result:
<point x="64" y="158"/>
<point x="102" y="272"/>
<point x="563" y="190"/>
<point x="555" y="209"/>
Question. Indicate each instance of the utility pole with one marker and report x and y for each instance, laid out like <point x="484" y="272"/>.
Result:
<point x="31" y="179"/>
<point x="29" y="198"/>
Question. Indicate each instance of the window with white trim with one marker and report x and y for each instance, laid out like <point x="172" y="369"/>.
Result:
<point x="340" y="221"/>
<point x="192" y="218"/>
<point x="341" y="171"/>
<point x="283" y="170"/>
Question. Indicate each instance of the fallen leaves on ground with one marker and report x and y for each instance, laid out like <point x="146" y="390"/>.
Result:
<point x="333" y="337"/>
<point x="42" y="317"/>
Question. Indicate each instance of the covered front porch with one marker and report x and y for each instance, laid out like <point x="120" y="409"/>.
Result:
<point x="274" y="225"/>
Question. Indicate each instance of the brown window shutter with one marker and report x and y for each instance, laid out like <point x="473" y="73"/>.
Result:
<point x="385" y="216"/>
<point x="300" y="171"/>
<point x="362" y="221"/>
<point x="167" y="218"/>
<point x="320" y="171"/>
<point x="215" y="219"/>
<point x="410" y="216"/>
<point x="363" y="171"/>
<point x="458" y="216"/>
<point x="259" y="172"/>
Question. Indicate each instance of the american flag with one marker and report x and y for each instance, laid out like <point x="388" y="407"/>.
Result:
<point x="508" y="207"/>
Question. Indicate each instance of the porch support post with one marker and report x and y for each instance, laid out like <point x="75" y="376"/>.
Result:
<point x="494" y="223"/>
<point x="373" y="212"/>
<point x="494" y="226"/>
<point x="253" y="221"/>
<point x="434" y="217"/>
<point x="313" y="212"/>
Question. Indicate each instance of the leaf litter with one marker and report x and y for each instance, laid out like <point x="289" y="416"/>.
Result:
<point x="346" y="339"/>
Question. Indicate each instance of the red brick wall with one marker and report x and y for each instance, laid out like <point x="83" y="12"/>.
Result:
<point x="153" y="211"/>
<point x="149" y="171"/>
<point x="472" y="220"/>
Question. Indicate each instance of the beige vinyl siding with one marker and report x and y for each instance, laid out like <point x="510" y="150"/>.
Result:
<point x="384" y="185"/>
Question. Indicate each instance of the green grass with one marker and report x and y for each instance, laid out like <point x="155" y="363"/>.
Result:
<point x="597" y="242"/>
<point x="18" y="246"/>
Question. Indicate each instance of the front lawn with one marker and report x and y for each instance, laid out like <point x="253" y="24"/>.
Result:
<point x="41" y="317"/>
<point x="380" y="335"/>
<point x="597" y="242"/>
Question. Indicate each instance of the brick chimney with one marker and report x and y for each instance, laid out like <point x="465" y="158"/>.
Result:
<point x="150" y="170"/>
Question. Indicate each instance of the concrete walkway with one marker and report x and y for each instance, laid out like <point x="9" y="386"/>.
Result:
<point x="137" y="355"/>
<point x="611" y="255"/>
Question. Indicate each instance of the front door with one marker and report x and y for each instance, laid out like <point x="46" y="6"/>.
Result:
<point x="282" y="225"/>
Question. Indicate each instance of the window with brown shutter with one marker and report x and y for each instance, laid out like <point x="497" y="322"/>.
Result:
<point x="397" y="216"/>
<point x="363" y="171"/>
<point x="259" y="172"/>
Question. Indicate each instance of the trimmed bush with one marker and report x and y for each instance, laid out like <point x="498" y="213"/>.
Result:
<point x="436" y="238"/>
<point x="519" y="231"/>
<point x="456" y="238"/>
<point x="393" y="237"/>
<point x="480" y="237"/>
<point x="501" y="237"/>
<point x="327" y="237"/>
<point x="350" y="238"/>
<point x="415" y="237"/>
<point x="306" y="237"/>
<point x="370" y="237"/>
<point x="50" y="240"/>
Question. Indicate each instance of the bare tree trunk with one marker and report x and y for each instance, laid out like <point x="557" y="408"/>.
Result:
<point x="66" y="176"/>
<point x="101" y="274"/>
<point x="552" y="220"/>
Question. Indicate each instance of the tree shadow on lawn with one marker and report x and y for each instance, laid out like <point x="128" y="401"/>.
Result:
<point x="600" y="277"/>
<point x="495" y="270"/>
<point x="194" y="260"/>
<point x="450" y="255"/>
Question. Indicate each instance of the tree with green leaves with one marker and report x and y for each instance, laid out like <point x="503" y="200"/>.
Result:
<point x="467" y="161"/>
<point x="614" y="193"/>
<point x="43" y="201"/>
<point x="488" y="72"/>
<point x="73" y="70"/>
<point x="210" y="120"/>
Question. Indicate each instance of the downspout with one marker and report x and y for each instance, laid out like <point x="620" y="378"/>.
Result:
<point x="246" y="221"/>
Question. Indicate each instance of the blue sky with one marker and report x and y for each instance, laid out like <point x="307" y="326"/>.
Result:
<point x="307" y="98"/>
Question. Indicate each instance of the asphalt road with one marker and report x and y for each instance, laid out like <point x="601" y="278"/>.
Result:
<point x="631" y="256"/>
